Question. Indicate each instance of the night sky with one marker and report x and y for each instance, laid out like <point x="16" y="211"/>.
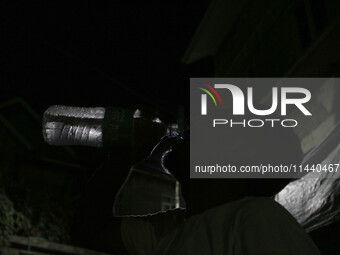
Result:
<point x="97" y="54"/>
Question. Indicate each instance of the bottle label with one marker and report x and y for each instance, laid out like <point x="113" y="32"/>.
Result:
<point x="117" y="127"/>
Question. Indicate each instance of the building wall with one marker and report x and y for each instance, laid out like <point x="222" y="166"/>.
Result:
<point x="288" y="39"/>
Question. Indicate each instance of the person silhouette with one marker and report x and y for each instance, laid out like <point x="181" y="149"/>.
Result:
<point x="226" y="216"/>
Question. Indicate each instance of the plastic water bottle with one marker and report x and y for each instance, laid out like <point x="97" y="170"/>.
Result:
<point x="103" y="127"/>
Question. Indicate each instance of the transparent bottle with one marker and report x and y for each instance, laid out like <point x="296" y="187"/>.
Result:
<point x="104" y="127"/>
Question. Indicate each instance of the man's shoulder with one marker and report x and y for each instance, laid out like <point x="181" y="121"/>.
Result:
<point x="259" y="203"/>
<point x="254" y="207"/>
<point x="249" y="208"/>
<point x="250" y="203"/>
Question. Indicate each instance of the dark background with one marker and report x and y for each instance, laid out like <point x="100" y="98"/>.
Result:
<point x="97" y="53"/>
<point x="82" y="53"/>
